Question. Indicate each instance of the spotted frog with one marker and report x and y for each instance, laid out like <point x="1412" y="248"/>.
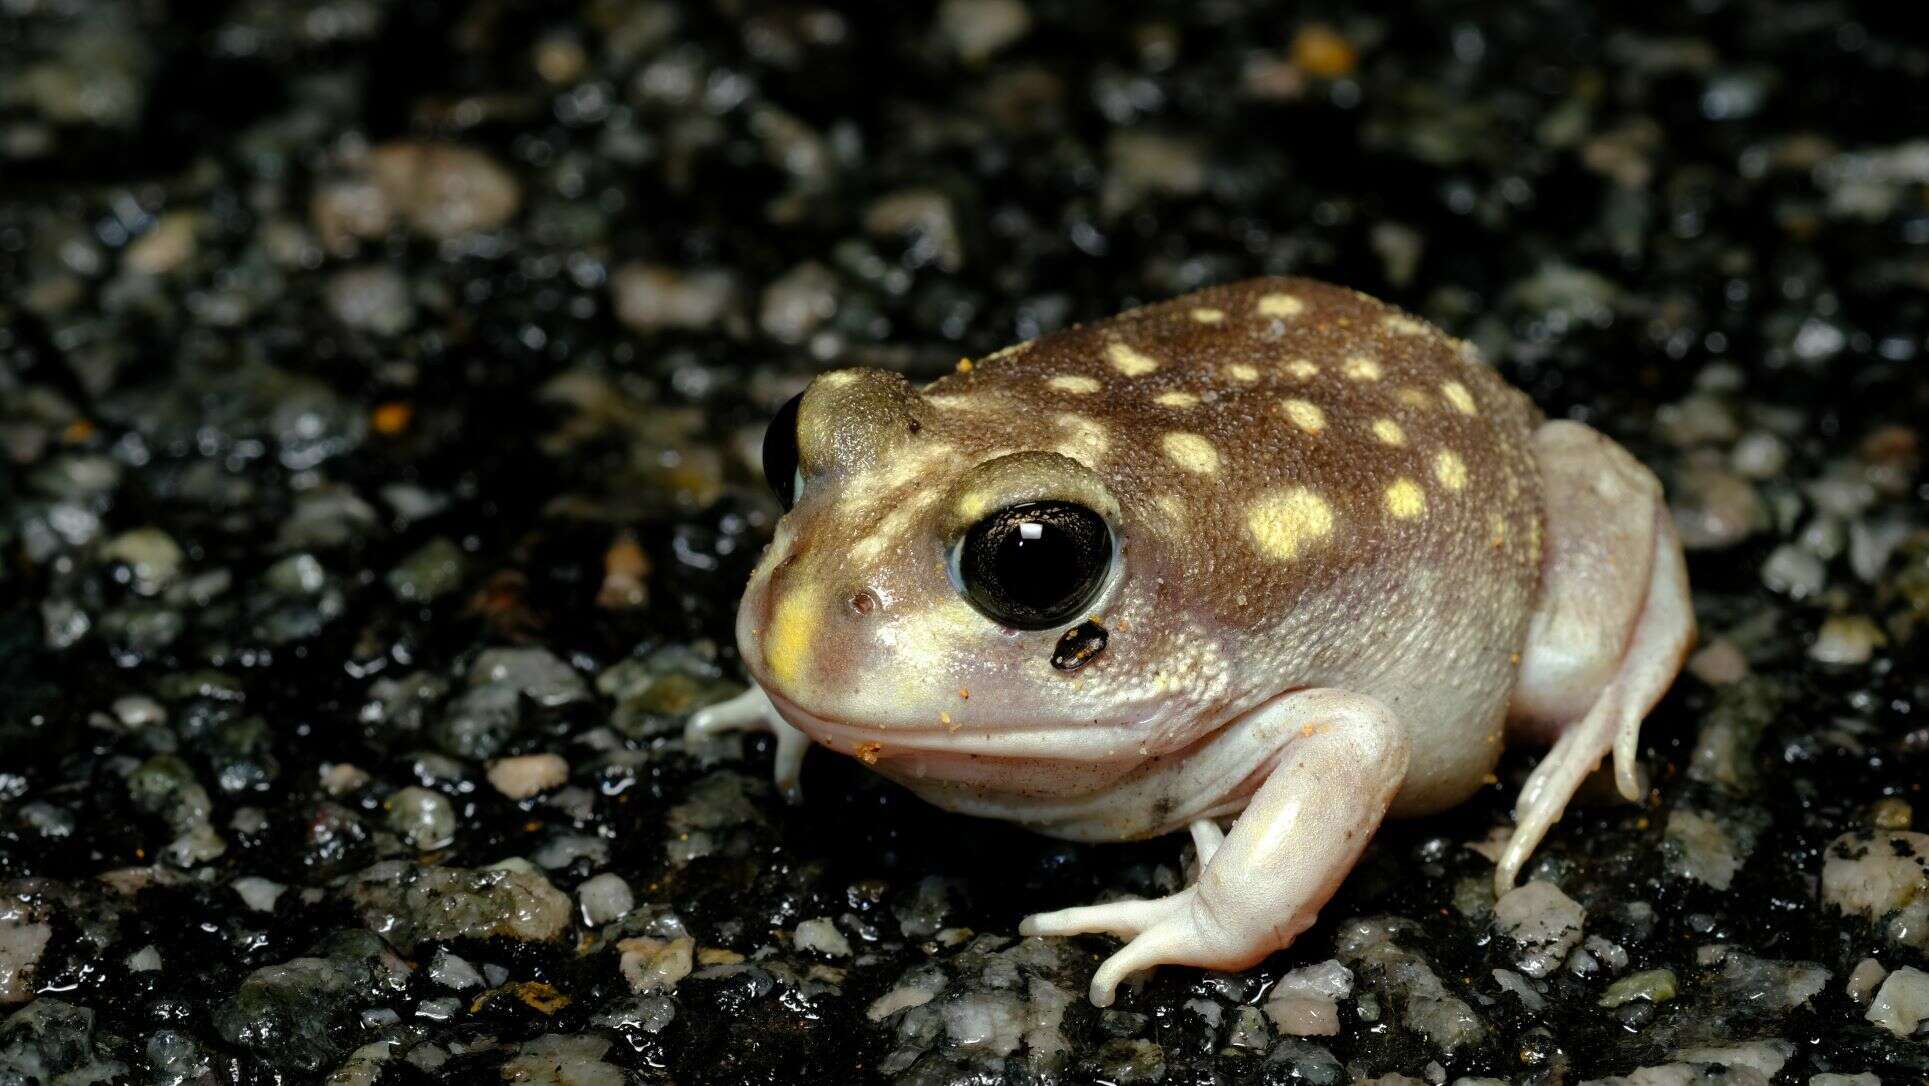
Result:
<point x="1266" y="563"/>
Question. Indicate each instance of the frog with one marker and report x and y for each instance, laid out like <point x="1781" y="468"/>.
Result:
<point x="1265" y="564"/>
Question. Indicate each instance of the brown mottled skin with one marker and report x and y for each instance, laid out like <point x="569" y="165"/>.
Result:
<point x="1348" y="554"/>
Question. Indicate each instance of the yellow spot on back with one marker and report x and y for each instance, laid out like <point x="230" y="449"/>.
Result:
<point x="1208" y="315"/>
<point x="837" y="377"/>
<point x="1449" y="469"/>
<point x="793" y="627"/>
<point x="1177" y="399"/>
<point x="1402" y="325"/>
<point x="1075" y="384"/>
<point x="1129" y="361"/>
<point x="1304" y="414"/>
<point x="1413" y="397"/>
<point x="1389" y="432"/>
<point x="1302" y="369"/>
<point x="1405" y="499"/>
<point x="1361" y="368"/>
<point x="1457" y="395"/>
<point x="1286" y="523"/>
<point x="1242" y="372"/>
<point x="955" y="402"/>
<point x="1191" y="452"/>
<point x="1280" y="305"/>
<point x="1171" y="506"/>
<point x="1087" y="441"/>
<point x="1497" y="527"/>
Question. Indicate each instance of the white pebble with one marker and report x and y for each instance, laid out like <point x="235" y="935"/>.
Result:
<point x="526" y="775"/>
<point x="1902" y="1003"/>
<point x="604" y="898"/>
<point x="822" y="936"/>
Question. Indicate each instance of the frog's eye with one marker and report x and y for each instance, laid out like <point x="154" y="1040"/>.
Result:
<point x="781" y="467"/>
<point x="1035" y="565"/>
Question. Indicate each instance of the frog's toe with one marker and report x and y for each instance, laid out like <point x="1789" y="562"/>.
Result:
<point x="749" y="711"/>
<point x="1125" y="919"/>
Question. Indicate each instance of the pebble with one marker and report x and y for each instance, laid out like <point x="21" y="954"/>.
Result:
<point x="1884" y="878"/>
<point x="796" y="303"/>
<point x="656" y="964"/>
<point x="1305" y="1002"/>
<point x="1902" y="1003"/>
<point x="1863" y="979"/>
<point x="1544" y="921"/>
<point x="445" y="191"/>
<point x="258" y="893"/>
<point x="822" y="936"/>
<point x="654" y="297"/>
<point x="1846" y="640"/>
<point x="424" y="818"/>
<point x="371" y="299"/>
<point x="528" y="774"/>
<point x="977" y="30"/>
<point x="604" y="898"/>
<point x="153" y="558"/>
<point x="169" y="244"/>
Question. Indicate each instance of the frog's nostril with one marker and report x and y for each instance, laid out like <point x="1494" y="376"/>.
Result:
<point x="863" y="602"/>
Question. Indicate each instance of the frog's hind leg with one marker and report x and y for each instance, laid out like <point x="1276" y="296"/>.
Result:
<point x="1613" y="623"/>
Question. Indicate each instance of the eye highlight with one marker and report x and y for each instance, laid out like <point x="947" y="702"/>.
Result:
<point x="782" y="469"/>
<point x="1035" y="565"/>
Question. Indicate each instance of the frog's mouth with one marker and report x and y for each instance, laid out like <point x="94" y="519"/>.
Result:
<point x="1095" y="743"/>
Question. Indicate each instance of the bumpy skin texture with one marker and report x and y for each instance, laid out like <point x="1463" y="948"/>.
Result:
<point x="1329" y="518"/>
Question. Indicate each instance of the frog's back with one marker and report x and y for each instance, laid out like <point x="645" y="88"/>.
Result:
<point x="1337" y="483"/>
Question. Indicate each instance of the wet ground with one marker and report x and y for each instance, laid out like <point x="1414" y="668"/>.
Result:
<point x="380" y="386"/>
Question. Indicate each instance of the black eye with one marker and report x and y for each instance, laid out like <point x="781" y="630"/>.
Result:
<point x="1036" y="564"/>
<point x="780" y="454"/>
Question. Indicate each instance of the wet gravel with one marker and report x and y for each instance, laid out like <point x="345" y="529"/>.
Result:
<point x="380" y="385"/>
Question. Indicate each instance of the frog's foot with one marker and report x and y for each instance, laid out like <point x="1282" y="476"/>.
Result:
<point x="751" y="711"/>
<point x="1340" y="759"/>
<point x="1613" y="625"/>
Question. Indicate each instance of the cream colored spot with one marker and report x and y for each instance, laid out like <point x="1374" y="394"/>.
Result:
<point x="1457" y="395"/>
<point x="1191" y="452"/>
<point x="1402" y="325"/>
<point x="1171" y="506"/>
<point x="1405" y="499"/>
<point x="1286" y="523"/>
<point x="1413" y="397"/>
<point x="1389" y="432"/>
<point x="1177" y="399"/>
<point x="1075" y="384"/>
<point x="1007" y="352"/>
<point x="1086" y="440"/>
<point x="1280" y="305"/>
<point x="1304" y="414"/>
<point x="956" y="402"/>
<point x="1129" y="361"/>
<point x="835" y="378"/>
<point x="1361" y="368"/>
<point x="1208" y="315"/>
<point x="1242" y="372"/>
<point x="1449" y="469"/>
<point x="1302" y="369"/>
<point x="793" y="627"/>
<point x="1497" y="527"/>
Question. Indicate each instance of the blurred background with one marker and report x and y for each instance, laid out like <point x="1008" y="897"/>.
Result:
<point x="380" y="389"/>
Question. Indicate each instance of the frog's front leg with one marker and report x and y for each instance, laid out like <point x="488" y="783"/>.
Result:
<point x="751" y="711"/>
<point x="1340" y="759"/>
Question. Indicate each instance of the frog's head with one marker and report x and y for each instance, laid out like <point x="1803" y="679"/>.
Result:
<point x="954" y="584"/>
